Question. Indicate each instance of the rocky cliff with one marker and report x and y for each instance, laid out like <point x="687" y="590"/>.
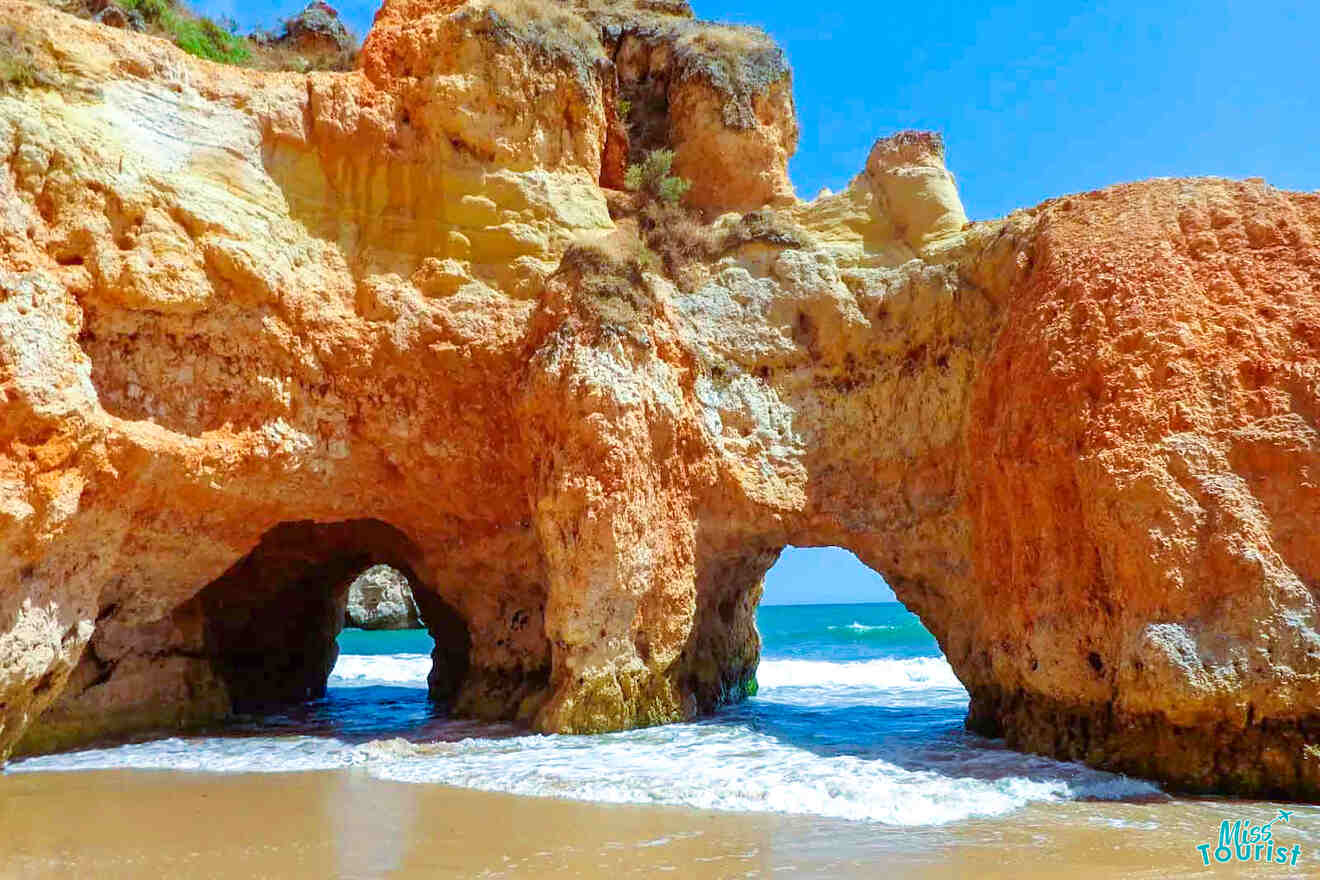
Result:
<point x="259" y="331"/>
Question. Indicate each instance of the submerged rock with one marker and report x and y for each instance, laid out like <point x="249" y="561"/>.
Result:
<point x="282" y="327"/>
<point x="380" y="598"/>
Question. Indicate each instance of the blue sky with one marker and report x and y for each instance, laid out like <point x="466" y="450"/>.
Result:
<point x="823" y="576"/>
<point x="1035" y="98"/>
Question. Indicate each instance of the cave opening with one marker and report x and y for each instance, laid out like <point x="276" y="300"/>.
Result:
<point x="854" y="692"/>
<point x="810" y="590"/>
<point x="847" y="668"/>
<point x="275" y="629"/>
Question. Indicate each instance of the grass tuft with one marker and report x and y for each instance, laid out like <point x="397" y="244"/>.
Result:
<point x="196" y="35"/>
<point x="18" y="68"/>
<point x="610" y="280"/>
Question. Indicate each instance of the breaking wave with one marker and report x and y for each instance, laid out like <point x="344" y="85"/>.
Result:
<point x="873" y="740"/>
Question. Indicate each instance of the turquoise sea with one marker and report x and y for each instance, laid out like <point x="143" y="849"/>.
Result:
<point x="858" y="716"/>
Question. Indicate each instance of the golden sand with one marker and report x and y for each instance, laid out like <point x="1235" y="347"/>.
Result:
<point x="141" y="824"/>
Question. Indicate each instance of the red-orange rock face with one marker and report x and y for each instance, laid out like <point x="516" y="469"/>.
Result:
<point x="1147" y="438"/>
<point x="261" y="331"/>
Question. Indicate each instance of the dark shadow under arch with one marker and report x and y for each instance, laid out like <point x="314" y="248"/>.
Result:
<point x="272" y="619"/>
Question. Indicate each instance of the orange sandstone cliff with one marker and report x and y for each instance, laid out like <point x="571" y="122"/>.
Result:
<point x="259" y="331"/>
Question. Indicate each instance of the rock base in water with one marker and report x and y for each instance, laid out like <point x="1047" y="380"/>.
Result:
<point x="1269" y="759"/>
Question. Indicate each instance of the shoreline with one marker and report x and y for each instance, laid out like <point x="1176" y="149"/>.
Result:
<point x="347" y="823"/>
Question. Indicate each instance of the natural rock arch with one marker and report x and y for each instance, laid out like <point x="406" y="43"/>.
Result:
<point x="1076" y="441"/>
<point x="260" y="637"/>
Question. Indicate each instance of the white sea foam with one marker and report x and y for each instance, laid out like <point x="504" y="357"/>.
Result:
<point x="410" y="670"/>
<point x="856" y="626"/>
<point x="738" y="769"/>
<point x="917" y="672"/>
<point x="694" y="765"/>
<point x="365" y="670"/>
<point x="825" y="739"/>
<point x="256" y="754"/>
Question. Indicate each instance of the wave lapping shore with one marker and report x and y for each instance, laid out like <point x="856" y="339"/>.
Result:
<point x="857" y="717"/>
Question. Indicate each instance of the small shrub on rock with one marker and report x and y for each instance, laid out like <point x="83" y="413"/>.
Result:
<point x="683" y="243"/>
<point x="652" y="179"/>
<point x="204" y="38"/>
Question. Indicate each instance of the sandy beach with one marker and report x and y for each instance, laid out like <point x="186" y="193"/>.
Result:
<point x="835" y="769"/>
<point x="136" y="824"/>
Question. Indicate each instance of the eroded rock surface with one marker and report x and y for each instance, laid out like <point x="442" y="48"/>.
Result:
<point x="318" y="29"/>
<point x="259" y="331"/>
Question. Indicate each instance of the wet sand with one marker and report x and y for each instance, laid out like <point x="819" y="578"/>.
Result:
<point x="145" y="824"/>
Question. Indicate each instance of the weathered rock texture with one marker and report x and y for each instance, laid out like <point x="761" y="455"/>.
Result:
<point x="318" y="29"/>
<point x="380" y="598"/>
<point x="259" y="331"/>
